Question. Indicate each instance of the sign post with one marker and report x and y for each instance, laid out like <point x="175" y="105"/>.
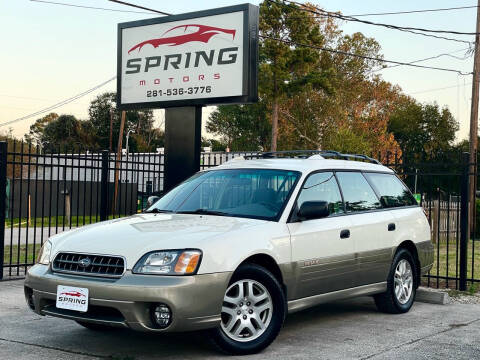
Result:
<point x="183" y="62"/>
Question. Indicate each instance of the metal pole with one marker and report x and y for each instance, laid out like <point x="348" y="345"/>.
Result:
<point x="104" y="186"/>
<point x="3" y="199"/>
<point x="464" y="229"/>
<point x="111" y="130"/>
<point x="474" y="118"/>
<point x="126" y="142"/>
<point x="119" y="158"/>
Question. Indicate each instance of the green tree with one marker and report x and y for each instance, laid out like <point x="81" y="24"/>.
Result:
<point x="284" y="67"/>
<point x="423" y="130"/>
<point x="35" y="133"/>
<point x="140" y="121"/>
<point x="241" y="127"/>
<point x="64" y="133"/>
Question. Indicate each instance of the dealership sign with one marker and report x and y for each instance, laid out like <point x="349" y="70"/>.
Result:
<point x="206" y="57"/>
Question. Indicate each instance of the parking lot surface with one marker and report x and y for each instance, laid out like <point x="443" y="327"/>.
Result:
<point x="351" y="329"/>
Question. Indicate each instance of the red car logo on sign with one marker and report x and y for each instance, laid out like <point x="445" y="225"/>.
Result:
<point x="73" y="293"/>
<point x="203" y="34"/>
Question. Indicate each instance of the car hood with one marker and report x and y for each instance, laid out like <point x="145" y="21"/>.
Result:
<point x="136" y="235"/>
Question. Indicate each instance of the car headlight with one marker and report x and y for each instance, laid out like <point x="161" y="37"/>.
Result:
<point x="169" y="262"/>
<point x="45" y="252"/>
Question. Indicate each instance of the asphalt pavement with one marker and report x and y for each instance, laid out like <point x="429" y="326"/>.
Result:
<point x="350" y="329"/>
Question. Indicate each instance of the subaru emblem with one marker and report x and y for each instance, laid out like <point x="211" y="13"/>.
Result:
<point x="85" y="262"/>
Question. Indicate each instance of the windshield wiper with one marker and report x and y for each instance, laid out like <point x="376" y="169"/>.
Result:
<point x="204" y="212"/>
<point x="157" y="211"/>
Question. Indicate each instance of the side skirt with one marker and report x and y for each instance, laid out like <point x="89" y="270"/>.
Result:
<point x="300" y="304"/>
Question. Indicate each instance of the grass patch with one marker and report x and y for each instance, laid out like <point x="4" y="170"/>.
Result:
<point x="449" y="255"/>
<point x="20" y="254"/>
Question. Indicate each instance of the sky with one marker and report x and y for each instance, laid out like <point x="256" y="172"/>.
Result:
<point x="50" y="52"/>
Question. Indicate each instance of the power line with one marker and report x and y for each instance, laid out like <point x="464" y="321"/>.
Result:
<point x="416" y="31"/>
<point x="61" y="103"/>
<point x="351" y="18"/>
<point x="415" y="11"/>
<point x="363" y="56"/>
<point x="434" y="57"/>
<point x="437" y="89"/>
<point x="91" y="7"/>
<point x="139" y="7"/>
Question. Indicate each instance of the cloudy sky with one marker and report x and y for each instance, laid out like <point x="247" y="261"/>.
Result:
<point x="51" y="52"/>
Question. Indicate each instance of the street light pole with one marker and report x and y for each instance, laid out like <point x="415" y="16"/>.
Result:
<point x="126" y="142"/>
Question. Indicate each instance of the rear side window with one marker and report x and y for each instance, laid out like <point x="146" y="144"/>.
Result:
<point x="322" y="187"/>
<point x="357" y="193"/>
<point x="393" y="193"/>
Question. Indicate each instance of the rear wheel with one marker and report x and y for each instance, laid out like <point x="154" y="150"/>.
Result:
<point x="401" y="286"/>
<point x="253" y="311"/>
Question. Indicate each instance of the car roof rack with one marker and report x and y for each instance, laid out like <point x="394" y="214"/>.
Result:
<point x="305" y="154"/>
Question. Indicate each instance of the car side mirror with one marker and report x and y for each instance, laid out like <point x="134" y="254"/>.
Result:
<point x="152" y="200"/>
<point x="313" y="210"/>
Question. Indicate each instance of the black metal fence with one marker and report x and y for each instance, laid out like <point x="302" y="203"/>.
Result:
<point x="50" y="193"/>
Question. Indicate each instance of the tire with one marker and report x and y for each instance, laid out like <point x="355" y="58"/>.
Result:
<point x="252" y="319"/>
<point x="95" y="327"/>
<point x="399" y="302"/>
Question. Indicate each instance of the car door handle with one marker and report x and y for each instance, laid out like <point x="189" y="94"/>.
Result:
<point x="391" y="227"/>
<point x="344" y="234"/>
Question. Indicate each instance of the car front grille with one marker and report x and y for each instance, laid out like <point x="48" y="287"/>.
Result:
<point x="89" y="264"/>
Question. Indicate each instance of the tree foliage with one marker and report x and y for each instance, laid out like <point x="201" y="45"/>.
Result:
<point x="423" y="130"/>
<point x="320" y="99"/>
<point x="53" y="132"/>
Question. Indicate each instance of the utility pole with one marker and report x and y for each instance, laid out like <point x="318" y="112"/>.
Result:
<point x="474" y="124"/>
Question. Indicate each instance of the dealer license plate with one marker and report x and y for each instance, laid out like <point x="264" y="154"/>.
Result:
<point x="72" y="298"/>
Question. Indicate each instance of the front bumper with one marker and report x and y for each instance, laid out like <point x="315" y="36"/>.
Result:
<point x="195" y="301"/>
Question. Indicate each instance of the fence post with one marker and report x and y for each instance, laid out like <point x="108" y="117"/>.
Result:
<point x="464" y="219"/>
<point x="3" y="199"/>
<point x="104" y="186"/>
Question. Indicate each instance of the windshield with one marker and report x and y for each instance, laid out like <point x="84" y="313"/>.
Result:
<point x="252" y="193"/>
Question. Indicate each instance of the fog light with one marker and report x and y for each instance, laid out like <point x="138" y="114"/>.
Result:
<point x="162" y="315"/>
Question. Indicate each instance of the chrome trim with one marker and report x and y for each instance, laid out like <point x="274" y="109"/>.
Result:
<point x="300" y="304"/>
<point x="78" y="273"/>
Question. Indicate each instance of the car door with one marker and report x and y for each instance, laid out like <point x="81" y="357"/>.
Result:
<point x="324" y="259"/>
<point x="369" y="231"/>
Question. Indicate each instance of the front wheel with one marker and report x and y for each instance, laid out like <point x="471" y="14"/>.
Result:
<point x="401" y="287"/>
<point x="253" y="311"/>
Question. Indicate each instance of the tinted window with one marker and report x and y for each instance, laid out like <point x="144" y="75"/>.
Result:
<point x="357" y="193"/>
<point x="255" y="193"/>
<point x="322" y="187"/>
<point x="393" y="193"/>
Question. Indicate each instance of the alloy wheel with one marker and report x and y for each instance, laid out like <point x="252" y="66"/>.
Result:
<point x="246" y="311"/>
<point x="403" y="280"/>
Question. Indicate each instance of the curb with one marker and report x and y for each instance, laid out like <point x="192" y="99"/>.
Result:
<point x="432" y="297"/>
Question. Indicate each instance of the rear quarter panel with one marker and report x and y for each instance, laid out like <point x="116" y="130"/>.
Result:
<point x="412" y="224"/>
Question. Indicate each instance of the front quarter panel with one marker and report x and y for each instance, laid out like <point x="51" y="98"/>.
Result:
<point x="224" y="253"/>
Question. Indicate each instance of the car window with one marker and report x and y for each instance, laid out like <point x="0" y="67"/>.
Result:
<point x="256" y="193"/>
<point x="393" y="193"/>
<point x="322" y="187"/>
<point x="357" y="193"/>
